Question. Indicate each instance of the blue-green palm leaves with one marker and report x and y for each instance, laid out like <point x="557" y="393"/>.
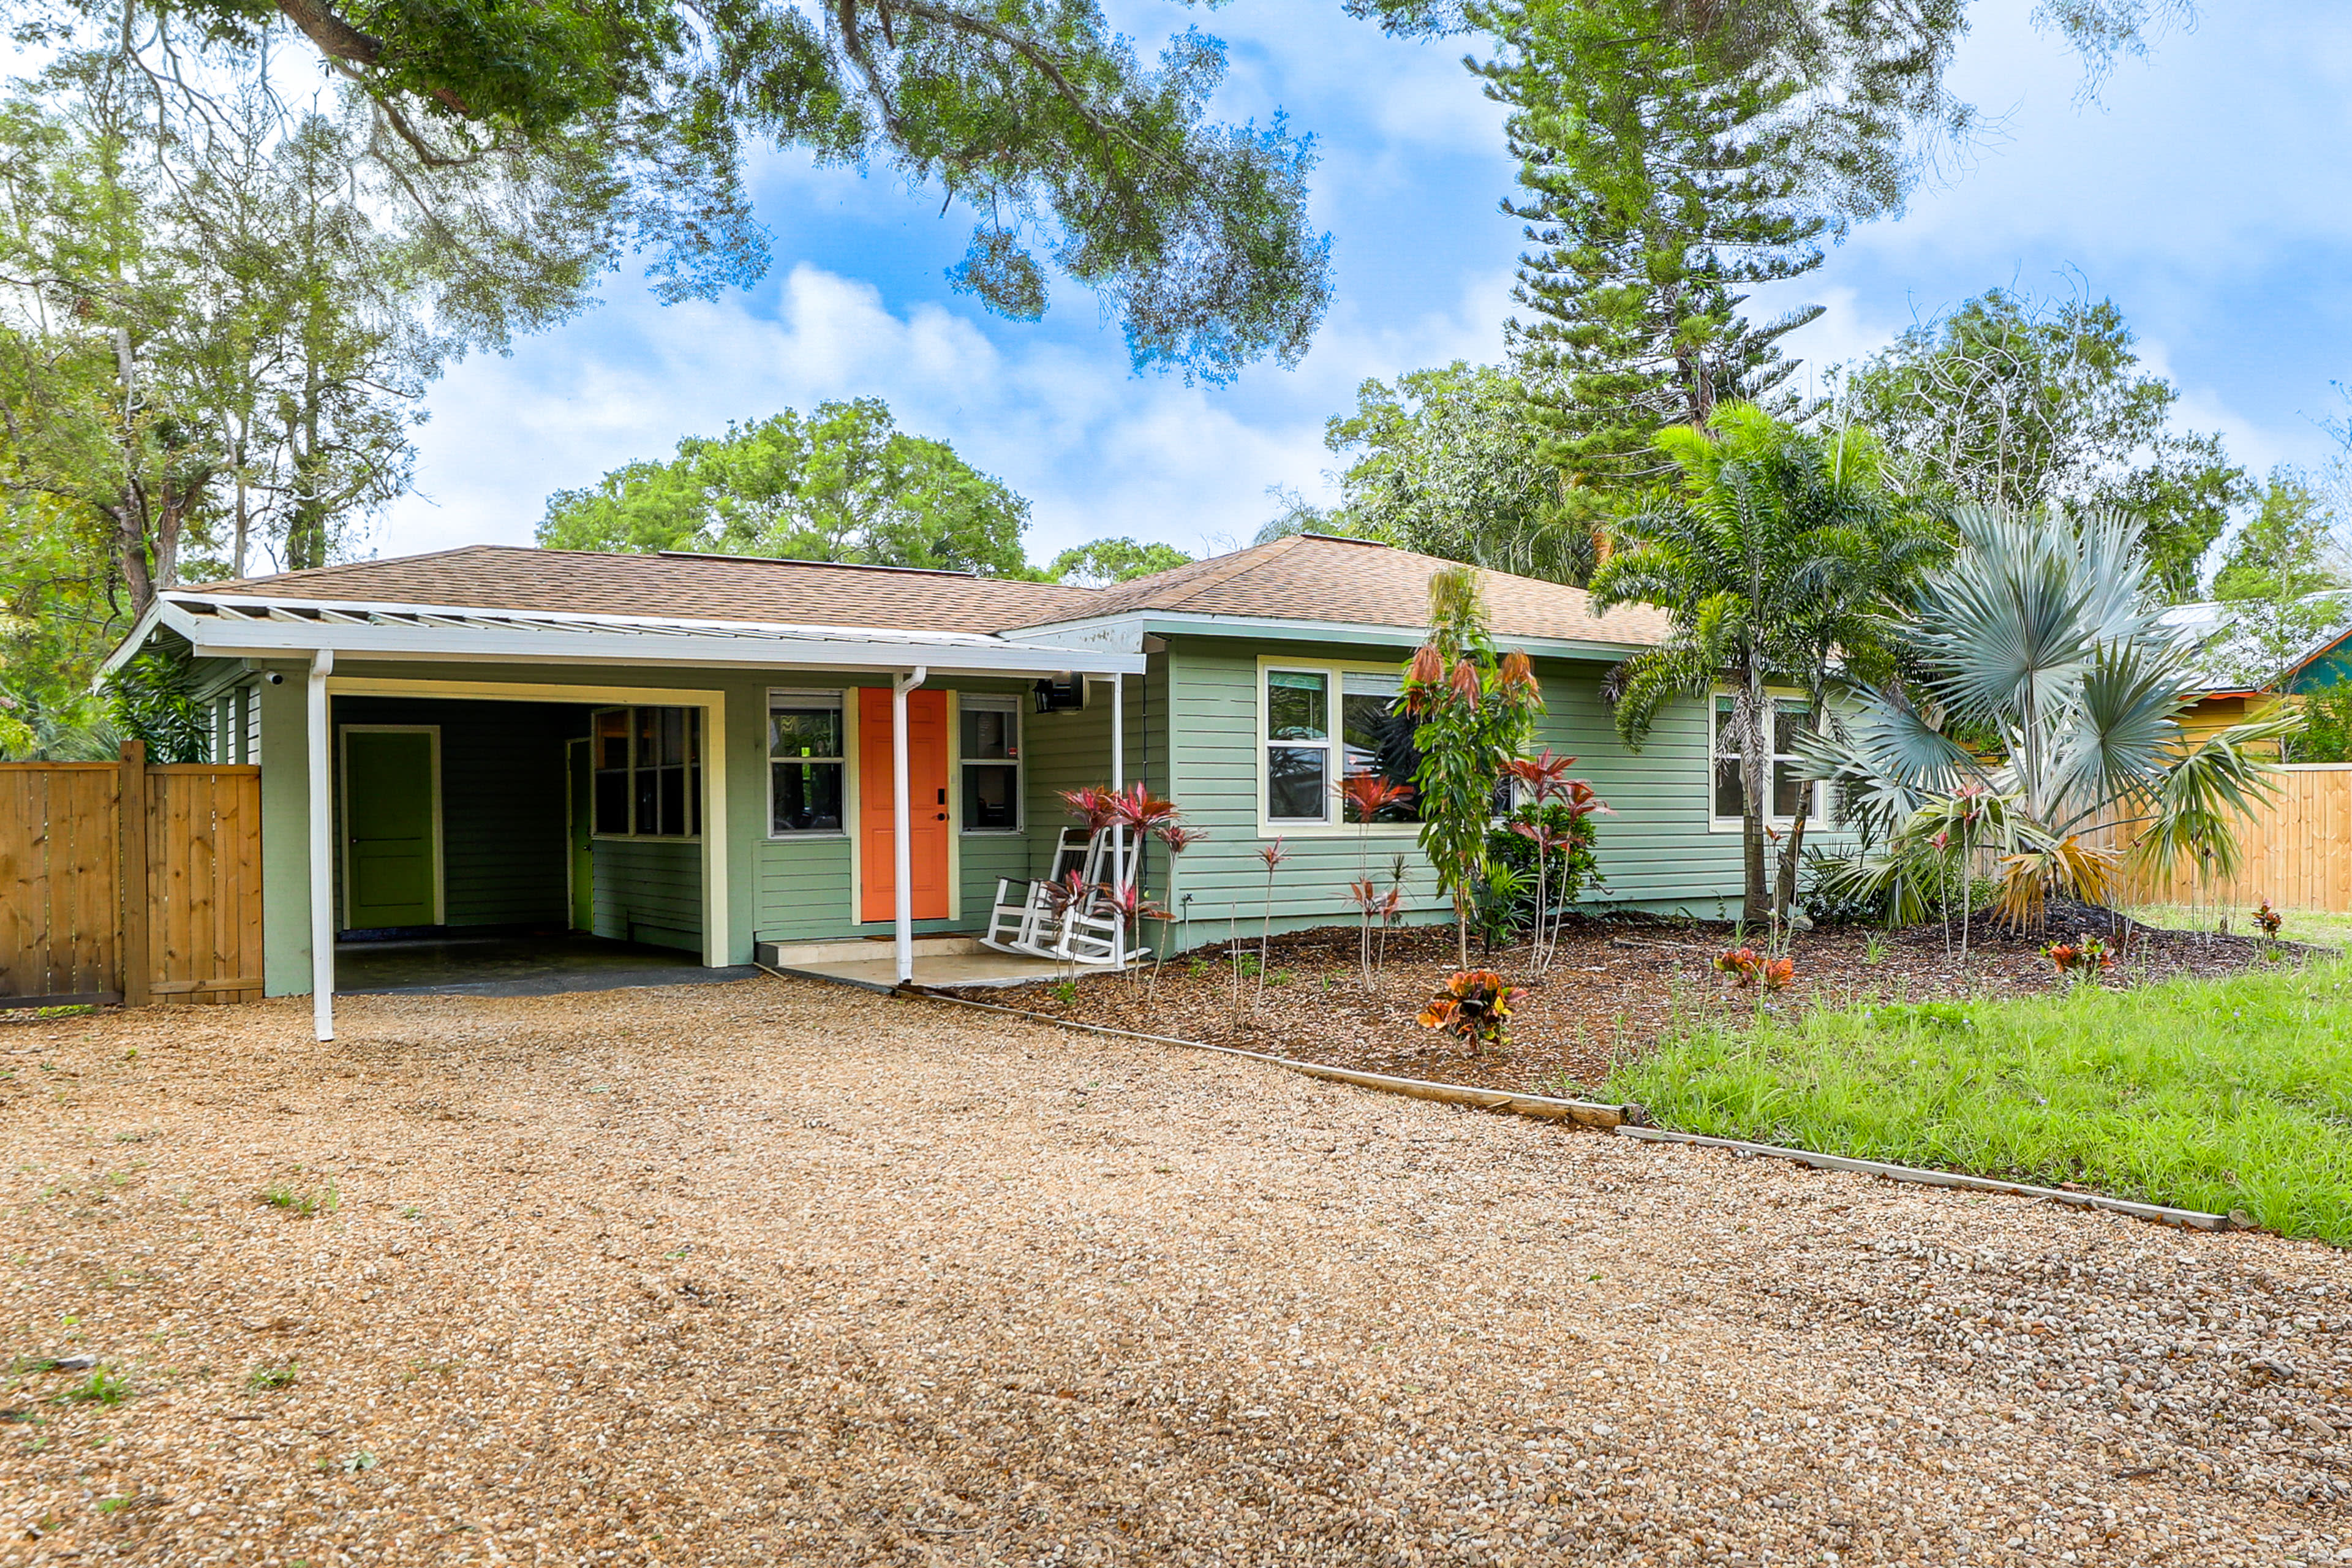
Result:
<point x="2042" y="633"/>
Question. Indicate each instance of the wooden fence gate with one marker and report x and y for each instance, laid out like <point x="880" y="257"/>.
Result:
<point x="187" y="851"/>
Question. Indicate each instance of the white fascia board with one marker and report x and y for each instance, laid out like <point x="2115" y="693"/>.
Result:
<point x="1163" y="622"/>
<point x="161" y="612"/>
<point x="279" y="639"/>
<point x="470" y="615"/>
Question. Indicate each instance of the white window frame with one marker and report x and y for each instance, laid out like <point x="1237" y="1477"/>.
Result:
<point x="992" y="702"/>
<point x="696" y="795"/>
<point x="1334" y="824"/>
<point x="1816" y="818"/>
<point x="837" y="699"/>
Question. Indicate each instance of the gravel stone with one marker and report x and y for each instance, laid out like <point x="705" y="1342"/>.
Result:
<point x="770" y="1272"/>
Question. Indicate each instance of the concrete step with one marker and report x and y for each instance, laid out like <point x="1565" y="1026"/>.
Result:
<point x="792" y="954"/>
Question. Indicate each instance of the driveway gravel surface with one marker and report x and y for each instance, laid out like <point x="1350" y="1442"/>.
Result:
<point x="768" y="1272"/>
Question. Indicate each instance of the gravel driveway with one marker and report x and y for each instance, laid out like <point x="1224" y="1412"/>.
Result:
<point x="762" y="1272"/>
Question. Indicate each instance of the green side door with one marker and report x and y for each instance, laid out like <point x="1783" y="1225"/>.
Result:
<point x="583" y="845"/>
<point x="388" y="789"/>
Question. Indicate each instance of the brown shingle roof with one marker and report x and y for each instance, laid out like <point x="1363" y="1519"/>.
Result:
<point x="1309" y="577"/>
<point x="1320" y="578"/>
<point x="697" y="587"/>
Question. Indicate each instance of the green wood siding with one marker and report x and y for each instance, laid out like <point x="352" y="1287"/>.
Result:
<point x="650" y="890"/>
<point x="502" y="803"/>
<point x="1657" y="852"/>
<point x="802" y="884"/>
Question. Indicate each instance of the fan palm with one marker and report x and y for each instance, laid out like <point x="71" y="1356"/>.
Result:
<point x="1776" y="553"/>
<point x="2043" y="635"/>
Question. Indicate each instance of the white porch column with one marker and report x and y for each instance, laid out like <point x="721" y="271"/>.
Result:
<point x="322" y="847"/>
<point x="902" y="849"/>
<point x="1118" y="833"/>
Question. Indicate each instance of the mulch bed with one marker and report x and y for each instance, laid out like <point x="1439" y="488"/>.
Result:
<point x="1614" y="988"/>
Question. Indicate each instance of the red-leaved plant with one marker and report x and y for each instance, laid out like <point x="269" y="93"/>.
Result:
<point x="1475" y="1007"/>
<point x="2080" y="959"/>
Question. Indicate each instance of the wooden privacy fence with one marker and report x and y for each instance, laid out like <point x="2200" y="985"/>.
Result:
<point x="188" y="850"/>
<point x="2295" y="850"/>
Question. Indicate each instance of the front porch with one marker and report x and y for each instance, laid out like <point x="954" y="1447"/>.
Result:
<point x="872" y="964"/>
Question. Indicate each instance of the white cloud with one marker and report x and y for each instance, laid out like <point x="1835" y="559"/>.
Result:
<point x="1096" y="451"/>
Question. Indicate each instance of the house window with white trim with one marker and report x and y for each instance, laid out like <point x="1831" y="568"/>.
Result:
<point x="1791" y="791"/>
<point x="990" y="759"/>
<point x="806" y="760"/>
<point x="1297" y="745"/>
<point x="1326" y="725"/>
<point x="648" y="765"/>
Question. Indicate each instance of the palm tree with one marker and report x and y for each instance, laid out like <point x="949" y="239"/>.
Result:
<point x="1776" y="553"/>
<point x="2042" y="634"/>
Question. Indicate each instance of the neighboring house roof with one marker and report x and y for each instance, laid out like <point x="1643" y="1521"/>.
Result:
<point x="700" y="587"/>
<point x="1357" y="582"/>
<point x="2205" y="625"/>
<point x="1309" y="577"/>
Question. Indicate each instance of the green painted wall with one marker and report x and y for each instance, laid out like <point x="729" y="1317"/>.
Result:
<point x="502" y="803"/>
<point x="1657" y="852"/>
<point x="803" y="883"/>
<point x="284" y="833"/>
<point x="649" y="890"/>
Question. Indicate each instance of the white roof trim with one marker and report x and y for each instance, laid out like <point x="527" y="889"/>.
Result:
<point x="242" y="627"/>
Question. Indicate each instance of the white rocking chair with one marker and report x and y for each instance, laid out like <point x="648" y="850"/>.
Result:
<point x="1040" y="921"/>
<point x="1093" y="931"/>
<point x="1030" y="922"/>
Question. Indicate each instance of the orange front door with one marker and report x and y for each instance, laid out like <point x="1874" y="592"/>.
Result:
<point x="927" y="793"/>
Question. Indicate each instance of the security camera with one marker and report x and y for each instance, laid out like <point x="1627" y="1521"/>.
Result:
<point x="274" y="679"/>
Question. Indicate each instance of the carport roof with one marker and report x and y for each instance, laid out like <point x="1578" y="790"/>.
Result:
<point x="237" y="625"/>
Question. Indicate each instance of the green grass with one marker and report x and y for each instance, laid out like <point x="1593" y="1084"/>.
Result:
<point x="301" y="1201"/>
<point x="269" y="1376"/>
<point x="2202" y="1094"/>
<point x="104" y="1385"/>
<point x="2320" y="927"/>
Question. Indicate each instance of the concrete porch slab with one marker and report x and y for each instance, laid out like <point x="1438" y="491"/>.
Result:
<point x="985" y="967"/>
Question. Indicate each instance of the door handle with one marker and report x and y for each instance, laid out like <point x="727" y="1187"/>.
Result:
<point x="942" y="817"/>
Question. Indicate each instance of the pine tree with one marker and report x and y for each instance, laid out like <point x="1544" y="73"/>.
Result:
<point x="1674" y="158"/>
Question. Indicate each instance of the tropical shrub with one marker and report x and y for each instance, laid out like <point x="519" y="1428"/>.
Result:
<point x="2043" y="631"/>
<point x="1566" y="857"/>
<point x="1475" y="1007"/>
<point x="1474" y="708"/>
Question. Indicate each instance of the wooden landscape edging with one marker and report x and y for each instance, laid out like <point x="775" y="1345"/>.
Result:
<point x="1629" y="1121"/>
<point x="1583" y="1112"/>
<point x="2194" y="1219"/>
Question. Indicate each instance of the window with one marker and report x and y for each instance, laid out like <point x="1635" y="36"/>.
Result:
<point x="1378" y="735"/>
<point x="1790" y="790"/>
<point x="648" y="765"/>
<point x="992" y="763"/>
<point x="1306" y="762"/>
<point x="805" y="762"/>
<point x="1297" y="745"/>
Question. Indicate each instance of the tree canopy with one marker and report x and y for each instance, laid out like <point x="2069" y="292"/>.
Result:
<point x="1451" y="462"/>
<point x="626" y="123"/>
<point x="1102" y="562"/>
<point x="2282" y="581"/>
<point x="2010" y="401"/>
<point x="843" y="484"/>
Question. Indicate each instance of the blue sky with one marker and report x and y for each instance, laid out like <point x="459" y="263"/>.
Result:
<point x="2209" y="190"/>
